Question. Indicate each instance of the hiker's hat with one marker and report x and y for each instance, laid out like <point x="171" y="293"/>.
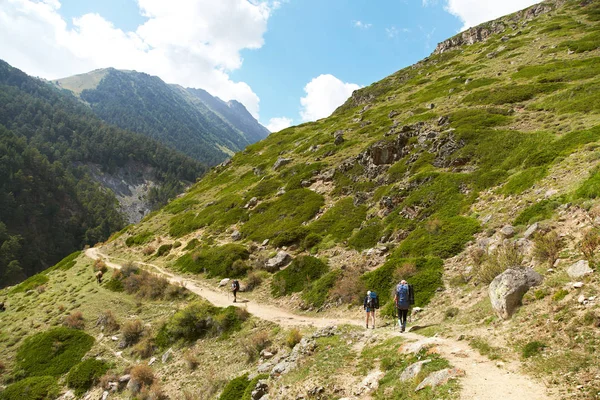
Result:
<point x="403" y="282"/>
<point x="368" y="293"/>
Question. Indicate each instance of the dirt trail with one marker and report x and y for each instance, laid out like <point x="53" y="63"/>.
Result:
<point x="483" y="379"/>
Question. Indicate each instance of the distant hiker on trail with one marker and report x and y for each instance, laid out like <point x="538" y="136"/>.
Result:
<point x="403" y="298"/>
<point x="235" y="286"/>
<point x="99" y="275"/>
<point x="371" y="304"/>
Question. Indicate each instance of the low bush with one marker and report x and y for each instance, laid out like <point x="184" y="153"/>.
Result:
<point x="191" y="361"/>
<point x="523" y="180"/>
<point x="254" y="279"/>
<point x="131" y="332"/>
<point x="348" y="289"/>
<point x="199" y="320"/>
<point x="114" y="285"/>
<point x="292" y="236"/>
<point x="546" y="247"/>
<point x="317" y="292"/>
<point x="367" y="237"/>
<point x="248" y="392"/>
<point x="298" y="275"/>
<point x="255" y="344"/>
<point x="511" y="93"/>
<point x="560" y="294"/>
<point x="100" y="265"/>
<point x="192" y="244"/>
<point x="108" y="322"/>
<point x="451" y="312"/>
<point x="34" y="388"/>
<point x="176" y="244"/>
<point x="66" y="263"/>
<point x="234" y="390"/>
<point x="293" y="338"/>
<point x="30" y="283"/>
<point x="52" y="353"/>
<point x="74" y="320"/>
<point x="311" y="240"/>
<point x="532" y="348"/>
<point x="148" y="250"/>
<point x="164" y="249"/>
<point x="215" y="261"/>
<point x="496" y="262"/>
<point x="589" y="244"/>
<point x="537" y="212"/>
<point x="340" y="220"/>
<point x="86" y="374"/>
<point x="145" y="348"/>
<point x="139" y="239"/>
<point x="143" y="375"/>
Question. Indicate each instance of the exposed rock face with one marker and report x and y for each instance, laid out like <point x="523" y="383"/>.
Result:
<point x="280" y="260"/>
<point x="507" y="231"/>
<point x="236" y="235"/>
<point x="281" y="162"/>
<point x="580" y="269"/>
<point x="482" y="32"/>
<point x="260" y="390"/>
<point x="438" y="378"/>
<point x="413" y="370"/>
<point x="508" y="288"/>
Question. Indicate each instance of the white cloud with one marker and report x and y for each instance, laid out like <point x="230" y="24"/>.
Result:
<point x="323" y="95"/>
<point x="392" y="32"/>
<point x="362" y="25"/>
<point x="474" y="12"/>
<point x="194" y="43"/>
<point x="279" y="123"/>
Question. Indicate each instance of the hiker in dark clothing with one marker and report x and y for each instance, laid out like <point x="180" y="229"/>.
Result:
<point x="370" y="304"/>
<point x="235" y="287"/>
<point x="2" y="308"/>
<point x="402" y="300"/>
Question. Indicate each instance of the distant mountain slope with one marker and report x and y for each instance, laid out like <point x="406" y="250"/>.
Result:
<point x="189" y="120"/>
<point x="50" y="204"/>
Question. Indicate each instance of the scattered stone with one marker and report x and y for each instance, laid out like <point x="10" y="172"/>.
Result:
<point x="438" y="378"/>
<point x="152" y="361"/>
<point x="280" y="192"/>
<point x="500" y="364"/>
<point x="236" y="235"/>
<point x="508" y="288"/>
<point x="281" y="162"/>
<point x="550" y="193"/>
<point x="69" y="395"/>
<point x="325" y="332"/>
<point x="413" y="370"/>
<point x="531" y="230"/>
<point x="265" y="242"/>
<point x="443" y="120"/>
<point x="416" y="347"/>
<point x="105" y="395"/>
<point x="431" y="106"/>
<point x="317" y="390"/>
<point x="338" y="137"/>
<point x="580" y="269"/>
<point x="581" y="299"/>
<point x="114" y="338"/>
<point x="507" y="231"/>
<point x="224" y="282"/>
<point x="460" y="337"/>
<point x="280" y="260"/>
<point x="253" y="202"/>
<point x="369" y="384"/>
<point x="260" y="390"/>
<point x="125" y="378"/>
<point x="578" y="285"/>
<point x="266" y="355"/>
<point x="417" y="310"/>
<point x="392" y="114"/>
<point x="167" y="355"/>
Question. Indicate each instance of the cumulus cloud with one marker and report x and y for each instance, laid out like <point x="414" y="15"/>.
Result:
<point x="362" y="25"/>
<point x="194" y="43"/>
<point x="278" y="123"/>
<point x="474" y="12"/>
<point x="323" y="95"/>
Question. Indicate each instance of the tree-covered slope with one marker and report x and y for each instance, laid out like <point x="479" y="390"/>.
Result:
<point x="200" y="126"/>
<point x="49" y="204"/>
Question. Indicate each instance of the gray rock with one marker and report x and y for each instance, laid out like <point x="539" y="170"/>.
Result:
<point x="280" y="260"/>
<point x="508" y="288"/>
<point x="236" y="235"/>
<point x="281" y="162"/>
<point x="370" y="383"/>
<point x="224" y="282"/>
<point x="578" y="285"/>
<point x="265" y="242"/>
<point x="260" y="390"/>
<point x="438" y="378"/>
<point x="413" y="370"/>
<point x="531" y="230"/>
<point x="392" y="114"/>
<point x="264" y="368"/>
<point x="325" y="332"/>
<point x="266" y="355"/>
<point x="581" y="299"/>
<point x="105" y="395"/>
<point x="167" y="355"/>
<point x="152" y="361"/>
<point x="507" y="231"/>
<point x="69" y="395"/>
<point x="431" y="106"/>
<point x="125" y="378"/>
<point x="580" y="269"/>
<point x="338" y="137"/>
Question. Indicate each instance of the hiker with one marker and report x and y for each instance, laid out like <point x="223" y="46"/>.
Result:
<point x="371" y="304"/>
<point x="235" y="286"/>
<point x="402" y="298"/>
<point x="99" y="275"/>
<point x="2" y="308"/>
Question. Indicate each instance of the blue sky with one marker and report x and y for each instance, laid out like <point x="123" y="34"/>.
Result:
<point x="288" y="61"/>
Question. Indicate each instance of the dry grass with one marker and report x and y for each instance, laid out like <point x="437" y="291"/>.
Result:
<point x="74" y="320"/>
<point x="589" y="244"/>
<point x="293" y="338"/>
<point x="191" y="360"/>
<point x="255" y="344"/>
<point x="100" y="265"/>
<point x="546" y="248"/>
<point x="143" y="375"/>
<point x="132" y="332"/>
<point x="108" y="322"/>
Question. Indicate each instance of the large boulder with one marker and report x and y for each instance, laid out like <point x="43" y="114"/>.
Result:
<point x="508" y="288"/>
<point x="438" y="378"/>
<point x="280" y="260"/>
<point x="580" y="269"/>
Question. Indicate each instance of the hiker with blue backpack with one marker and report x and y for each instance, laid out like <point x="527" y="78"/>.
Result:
<point x="371" y="304"/>
<point x="404" y="298"/>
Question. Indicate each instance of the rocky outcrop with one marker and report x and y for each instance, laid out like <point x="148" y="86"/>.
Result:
<point x="280" y="260"/>
<point x="413" y="370"/>
<point x="281" y="162"/>
<point x="482" y="32"/>
<point x="438" y="378"/>
<point x="580" y="269"/>
<point x="508" y="288"/>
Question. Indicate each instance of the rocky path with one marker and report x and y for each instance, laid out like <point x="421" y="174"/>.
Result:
<point x="483" y="379"/>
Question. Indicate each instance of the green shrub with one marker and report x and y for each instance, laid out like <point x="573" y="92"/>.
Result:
<point x="546" y="248"/>
<point x="311" y="240"/>
<point x="317" y="292"/>
<point x="179" y="205"/>
<point x="248" y="392"/>
<point x="560" y="294"/>
<point x="493" y="264"/>
<point x="293" y="338"/>
<point x="114" y="285"/>
<point x="54" y="352"/>
<point x="511" y="93"/>
<point x="581" y="98"/>
<point x="590" y="188"/>
<point x="340" y="220"/>
<point x="192" y="244"/>
<point x="265" y="188"/>
<point x="198" y="320"/>
<point x="34" y="388"/>
<point x="589" y="42"/>
<point x="476" y="118"/>
<point x="523" y="180"/>
<point x="532" y="348"/>
<point x="86" y="374"/>
<point x="176" y="244"/>
<point x="367" y="237"/>
<point x="451" y="312"/>
<point x="235" y="389"/>
<point x="291" y="236"/>
<point x="164" y="249"/>
<point x="424" y="274"/>
<point x="139" y="239"/>
<point x="538" y="212"/>
<point x="269" y="219"/>
<point x="561" y="71"/>
<point x="439" y="237"/>
<point x="298" y="275"/>
<point x="216" y="261"/>
<point x="31" y="283"/>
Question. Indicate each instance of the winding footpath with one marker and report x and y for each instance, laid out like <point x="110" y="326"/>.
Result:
<point x="483" y="379"/>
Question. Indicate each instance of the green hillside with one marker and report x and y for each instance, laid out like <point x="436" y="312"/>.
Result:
<point x="189" y="120"/>
<point x="49" y="204"/>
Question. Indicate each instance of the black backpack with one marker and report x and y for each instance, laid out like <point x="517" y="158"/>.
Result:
<point x="373" y="301"/>
<point x="411" y="295"/>
<point x="235" y="285"/>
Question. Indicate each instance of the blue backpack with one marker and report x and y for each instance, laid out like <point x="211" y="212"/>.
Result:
<point x="405" y="294"/>
<point x="373" y="301"/>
